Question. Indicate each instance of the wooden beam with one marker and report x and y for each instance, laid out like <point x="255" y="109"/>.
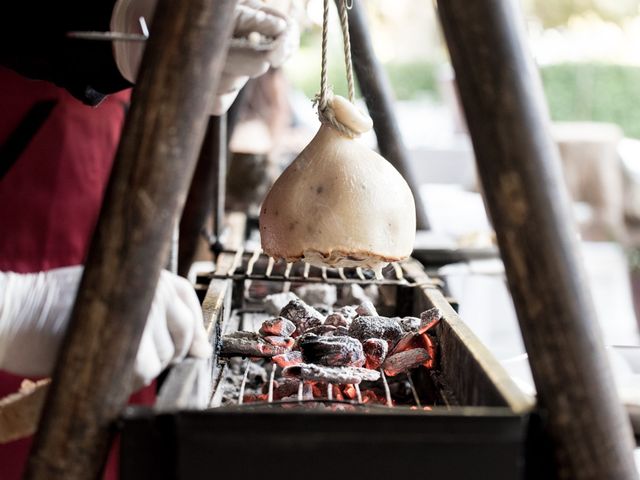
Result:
<point x="202" y="197"/>
<point x="153" y="167"/>
<point x="522" y="182"/>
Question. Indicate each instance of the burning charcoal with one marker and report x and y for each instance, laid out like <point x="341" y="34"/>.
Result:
<point x="429" y="319"/>
<point x="410" y="324"/>
<point x="285" y="387"/>
<point x="348" y="312"/>
<point x="276" y="302"/>
<point x="318" y="294"/>
<point x="279" y="341"/>
<point x="337" y="320"/>
<point x="337" y="375"/>
<point x="288" y="359"/>
<point x="251" y="398"/>
<point x="364" y="328"/>
<point x="375" y="351"/>
<point x="366" y="309"/>
<point x="248" y="346"/>
<point x="302" y="315"/>
<point x="431" y="348"/>
<point x="408" y="341"/>
<point x="403" y="361"/>
<point x="321" y="330"/>
<point x="280" y="327"/>
<point x="332" y="351"/>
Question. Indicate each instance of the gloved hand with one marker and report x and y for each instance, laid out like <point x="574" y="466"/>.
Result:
<point x="35" y="310"/>
<point x="262" y="37"/>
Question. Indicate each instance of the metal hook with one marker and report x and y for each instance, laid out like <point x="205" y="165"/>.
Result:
<point x="349" y="4"/>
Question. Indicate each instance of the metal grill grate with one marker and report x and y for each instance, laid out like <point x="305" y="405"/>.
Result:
<point x="256" y="265"/>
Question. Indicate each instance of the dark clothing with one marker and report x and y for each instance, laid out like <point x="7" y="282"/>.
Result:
<point x="33" y="42"/>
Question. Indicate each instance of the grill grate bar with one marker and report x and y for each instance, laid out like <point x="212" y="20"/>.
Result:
<point x="387" y="392"/>
<point x="244" y="383"/>
<point x="416" y="398"/>
<point x="252" y="262"/>
<point x="287" y="272"/>
<point x="358" y="392"/>
<point x="271" y="381"/>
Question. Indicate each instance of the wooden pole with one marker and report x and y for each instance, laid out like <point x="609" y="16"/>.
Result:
<point x="520" y="172"/>
<point x="153" y="167"/>
<point x="202" y="197"/>
<point x="378" y="95"/>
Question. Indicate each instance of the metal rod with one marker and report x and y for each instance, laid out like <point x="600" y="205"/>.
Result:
<point x="300" y="390"/>
<point x="271" y="380"/>
<point x="378" y="95"/>
<point x="387" y="392"/>
<point x="149" y="181"/>
<point x="416" y="398"/>
<point x="358" y="393"/>
<point x="529" y="206"/>
<point x="243" y="384"/>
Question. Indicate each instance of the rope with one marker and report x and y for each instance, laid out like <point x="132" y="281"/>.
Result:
<point x="323" y="73"/>
<point x="323" y="99"/>
<point x="344" y="22"/>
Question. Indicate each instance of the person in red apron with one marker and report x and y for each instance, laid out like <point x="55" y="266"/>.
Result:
<point x="60" y="123"/>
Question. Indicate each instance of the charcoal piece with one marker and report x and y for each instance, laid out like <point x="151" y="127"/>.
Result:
<point x="285" y="387"/>
<point x="367" y="309"/>
<point x="404" y="361"/>
<point x="337" y="319"/>
<point x="279" y="326"/>
<point x="348" y="312"/>
<point x="277" y="301"/>
<point x="410" y="324"/>
<point x="332" y="351"/>
<point x="321" y="330"/>
<point x="364" y="328"/>
<point x="317" y="294"/>
<point x="408" y="341"/>
<point x="302" y="315"/>
<point x="375" y="352"/>
<point x="248" y="346"/>
<point x="280" y="341"/>
<point x="287" y="359"/>
<point x="337" y="375"/>
<point x="429" y="319"/>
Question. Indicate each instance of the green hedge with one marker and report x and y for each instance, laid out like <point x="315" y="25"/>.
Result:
<point x="595" y="91"/>
<point x="575" y="91"/>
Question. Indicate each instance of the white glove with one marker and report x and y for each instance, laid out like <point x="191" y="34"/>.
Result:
<point x="262" y="37"/>
<point x="35" y="310"/>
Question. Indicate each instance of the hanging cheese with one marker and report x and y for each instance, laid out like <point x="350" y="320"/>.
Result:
<point x="339" y="203"/>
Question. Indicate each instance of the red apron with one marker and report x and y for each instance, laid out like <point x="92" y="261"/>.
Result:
<point x="55" y="159"/>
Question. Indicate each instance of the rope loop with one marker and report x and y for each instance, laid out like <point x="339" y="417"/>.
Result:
<point x="323" y="99"/>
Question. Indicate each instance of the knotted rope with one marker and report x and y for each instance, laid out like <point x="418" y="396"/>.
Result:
<point x="323" y="99"/>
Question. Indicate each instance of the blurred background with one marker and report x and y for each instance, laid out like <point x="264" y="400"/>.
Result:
<point x="588" y="54"/>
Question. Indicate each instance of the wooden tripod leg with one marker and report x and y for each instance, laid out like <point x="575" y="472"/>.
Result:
<point x="520" y="172"/>
<point x="153" y="167"/>
<point x="379" y="98"/>
<point x="203" y="193"/>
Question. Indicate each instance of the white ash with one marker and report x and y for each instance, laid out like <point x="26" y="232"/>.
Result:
<point x="336" y="375"/>
<point x="385" y="328"/>
<point x="276" y="302"/>
<point x="366" y="309"/>
<point x="302" y="315"/>
<point x="318" y="294"/>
